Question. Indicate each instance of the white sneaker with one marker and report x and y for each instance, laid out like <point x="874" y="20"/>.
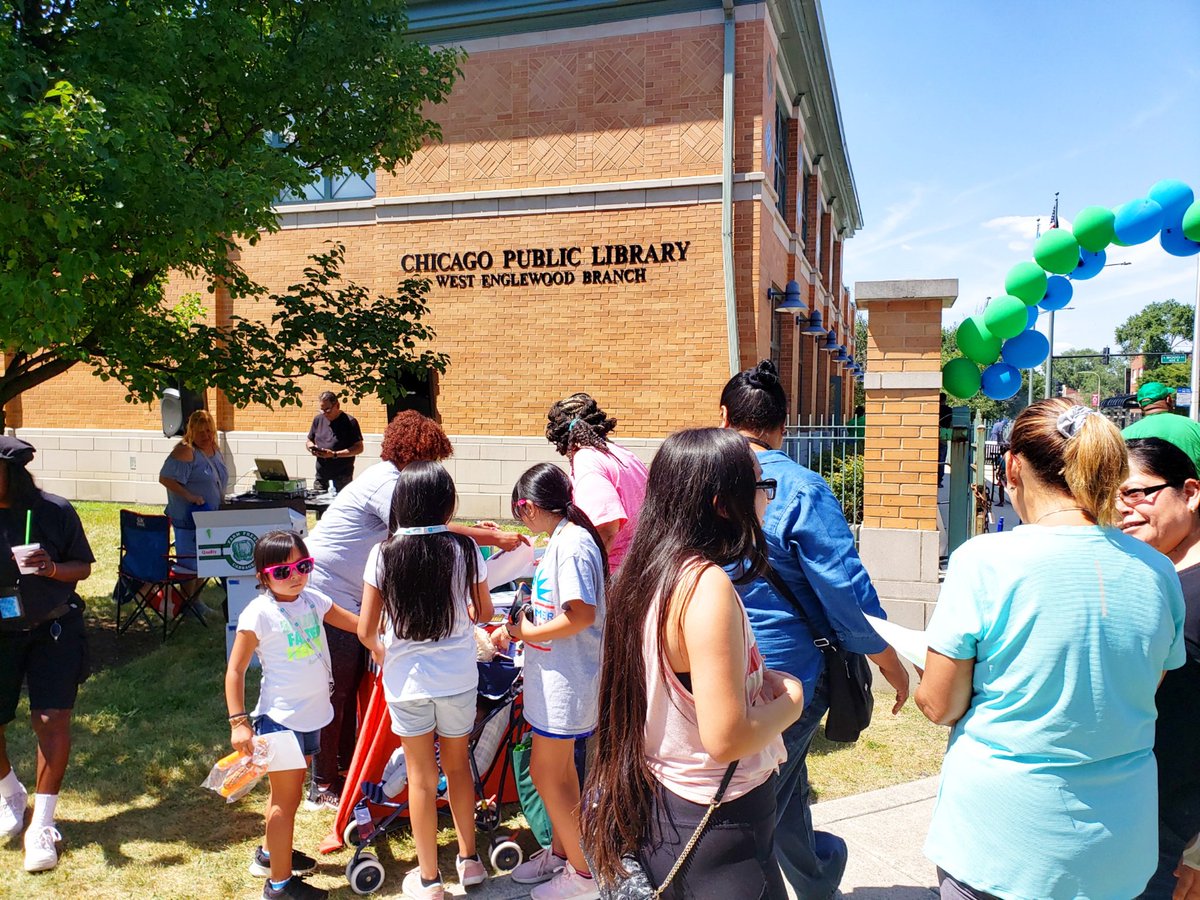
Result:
<point x="12" y="814"/>
<point x="566" y="885"/>
<point x="40" y="852"/>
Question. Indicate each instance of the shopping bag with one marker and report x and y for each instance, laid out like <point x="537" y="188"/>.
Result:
<point x="531" y="801"/>
<point x="235" y="775"/>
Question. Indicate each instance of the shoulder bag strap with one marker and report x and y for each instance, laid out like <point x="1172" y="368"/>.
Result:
<point x="822" y="637"/>
<point x="687" y="850"/>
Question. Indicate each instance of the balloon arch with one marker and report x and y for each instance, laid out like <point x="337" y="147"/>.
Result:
<point x="997" y="344"/>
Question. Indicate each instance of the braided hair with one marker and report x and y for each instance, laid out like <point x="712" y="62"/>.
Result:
<point x="578" y="422"/>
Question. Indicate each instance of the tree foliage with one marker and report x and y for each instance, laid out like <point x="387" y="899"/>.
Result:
<point x="1084" y="371"/>
<point x="1161" y="327"/>
<point x="139" y="139"/>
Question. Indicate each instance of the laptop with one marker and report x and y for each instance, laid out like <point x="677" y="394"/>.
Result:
<point x="271" y="469"/>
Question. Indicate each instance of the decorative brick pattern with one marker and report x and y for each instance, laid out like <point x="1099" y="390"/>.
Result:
<point x="485" y="155"/>
<point x="700" y="70"/>
<point x="552" y="82"/>
<point x="619" y="145"/>
<point x="550" y="151"/>
<point x="430" y="165"/>
<point x="620" y="74"/>
<point x="700" y="142"/>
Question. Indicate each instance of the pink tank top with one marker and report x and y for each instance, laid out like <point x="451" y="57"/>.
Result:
<point x="674" y="752"/>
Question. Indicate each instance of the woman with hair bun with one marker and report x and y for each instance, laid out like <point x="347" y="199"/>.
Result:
<point x="609" y="481"/>
<point x="1045" y="650"/>
<point x="811" y="549"/>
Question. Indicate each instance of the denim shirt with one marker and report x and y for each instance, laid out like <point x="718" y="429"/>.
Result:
<point x="812" y="549"/>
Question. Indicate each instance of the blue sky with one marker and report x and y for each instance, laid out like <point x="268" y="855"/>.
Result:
<point x="962" y="119"/>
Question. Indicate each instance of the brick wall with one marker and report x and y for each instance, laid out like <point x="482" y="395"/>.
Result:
<point x="902" y="432"/>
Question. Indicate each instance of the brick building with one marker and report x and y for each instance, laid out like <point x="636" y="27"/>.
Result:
<point x="623" y="191"/>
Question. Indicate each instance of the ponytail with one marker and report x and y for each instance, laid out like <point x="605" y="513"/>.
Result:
<point x="578" y="421"/>
<point x="1075" y="450"/>
<point x="547" y="487"/>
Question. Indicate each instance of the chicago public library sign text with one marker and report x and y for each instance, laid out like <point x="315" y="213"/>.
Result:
<point x="548" y="266"/>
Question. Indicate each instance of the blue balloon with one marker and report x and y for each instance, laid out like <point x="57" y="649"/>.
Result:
<point x="1173" y="196"/>
<point x="1175" y="243"/>
<point x="1058" y="293"/>
<point x="1032" y="320"/>
<point x="1001" y="380"/>
<point x="1026" y="350"/>
<point x="1137" y="221"/>
<point x="1090" y="265"/>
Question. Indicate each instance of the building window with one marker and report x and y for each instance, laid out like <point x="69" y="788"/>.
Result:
<point x="344" y="185"/>
<point x="781" y="162"/>
<point x="421" y="392"/>
<point x="803" y="198"/>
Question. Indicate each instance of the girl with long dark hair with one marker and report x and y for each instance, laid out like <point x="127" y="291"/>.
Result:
<point x="423" y="586"/>
<point x="562" y="665"/>
<point x="684" y="689"/>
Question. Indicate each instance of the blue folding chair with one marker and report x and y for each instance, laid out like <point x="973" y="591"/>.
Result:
<point x="148" y="582"/>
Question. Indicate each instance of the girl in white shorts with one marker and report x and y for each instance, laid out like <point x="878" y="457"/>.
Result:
<point x="423" y="586"/>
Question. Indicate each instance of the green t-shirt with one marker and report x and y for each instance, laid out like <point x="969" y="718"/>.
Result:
<point x="1171" y="427"/>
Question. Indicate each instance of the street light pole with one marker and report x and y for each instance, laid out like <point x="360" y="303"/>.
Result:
<point x="1050" y="359"/>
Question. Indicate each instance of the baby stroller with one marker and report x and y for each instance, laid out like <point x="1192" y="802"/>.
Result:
<point x="498" y="726"/>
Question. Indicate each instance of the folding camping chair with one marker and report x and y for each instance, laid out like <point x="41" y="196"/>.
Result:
<point x="148" y="580"/>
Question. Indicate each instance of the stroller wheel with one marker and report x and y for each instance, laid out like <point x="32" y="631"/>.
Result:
<point x="350" y="835"/>
<point x="365" y="874"/>
<point x="506" y="856"/>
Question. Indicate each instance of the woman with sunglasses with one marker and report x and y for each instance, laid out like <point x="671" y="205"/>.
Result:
<point x="1045" y="650"/>
<point x="812" y="551"/>
<point x="283" y="624"/>
<point x="684" y="691"/>
<point x="1159" y="503"/>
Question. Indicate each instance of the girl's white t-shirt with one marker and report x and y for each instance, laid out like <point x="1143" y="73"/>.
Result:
<point x="294" y="656"/>
<point x="421" y="670"/>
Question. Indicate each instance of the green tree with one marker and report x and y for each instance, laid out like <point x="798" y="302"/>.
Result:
<point x="1176" y="375"/>
<point x="143" y="139"/>
<point x="1083" y="370"/>
<point x="1161" y="327"/>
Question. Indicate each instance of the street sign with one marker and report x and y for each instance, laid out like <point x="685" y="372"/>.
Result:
<point x="1183" y="397"/>
<point x="1173" y="358"/>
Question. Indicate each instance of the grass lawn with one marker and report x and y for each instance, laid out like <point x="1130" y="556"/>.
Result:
<point x="151" y="721"/>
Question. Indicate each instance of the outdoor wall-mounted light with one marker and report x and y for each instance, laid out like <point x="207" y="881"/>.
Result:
<point x="788" y="300"/>
<point x="831" y="344"/>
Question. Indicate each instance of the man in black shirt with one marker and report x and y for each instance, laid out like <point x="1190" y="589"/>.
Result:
<point x="334" y="439"/>
<point x="42" y="641"/>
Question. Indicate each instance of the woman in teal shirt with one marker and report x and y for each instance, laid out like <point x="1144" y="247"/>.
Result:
<point x="1045" y="650"/>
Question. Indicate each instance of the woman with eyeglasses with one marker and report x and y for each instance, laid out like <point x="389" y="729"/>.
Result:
<point x="1160" y="504"/>
<point x="1045" y="650"/>
<point x="812" y="551"/>
<point x="684" y="690"/>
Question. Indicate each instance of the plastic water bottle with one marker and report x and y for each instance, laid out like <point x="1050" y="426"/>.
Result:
<point x="332" y="490"/>
<point x="1000" y="525"/>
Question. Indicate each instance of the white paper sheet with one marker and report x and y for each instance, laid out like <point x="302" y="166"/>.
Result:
<point x="504" y="567"/>
<point x="285" y="752"/>
<point x="908" y="642"/>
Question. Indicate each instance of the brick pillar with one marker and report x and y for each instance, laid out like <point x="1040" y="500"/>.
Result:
<point x="899" y="538"/>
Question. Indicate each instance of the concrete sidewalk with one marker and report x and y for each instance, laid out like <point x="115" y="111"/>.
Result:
<point x="884" y="830"/>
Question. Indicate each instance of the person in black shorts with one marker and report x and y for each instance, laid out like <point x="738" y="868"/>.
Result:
<point x="42" y="642"/>
<point x="334" y="439"/>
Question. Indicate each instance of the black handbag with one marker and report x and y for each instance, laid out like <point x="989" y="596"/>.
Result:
<point x="847" y="675"/>
<point x="636" y="885"/>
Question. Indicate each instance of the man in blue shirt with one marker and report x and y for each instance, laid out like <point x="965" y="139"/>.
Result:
<point x="811" y="548"/>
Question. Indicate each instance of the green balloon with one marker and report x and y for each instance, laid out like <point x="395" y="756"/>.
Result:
<point x="1006" y="316"/>
<point x="1026" y="281"/>
<point x="1191" y="222"/>
<point x="960" y="378"/>
<point x="977" y="342"/>
<point x="1057" y="251"/>
<point x="1093" y="228"/>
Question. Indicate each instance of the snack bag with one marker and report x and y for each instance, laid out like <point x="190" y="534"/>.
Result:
<point x="235" y="775"/>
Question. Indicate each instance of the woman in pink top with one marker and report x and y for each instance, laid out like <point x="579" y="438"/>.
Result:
<point x="684" y="688"/>
<point x="609" y="481"/>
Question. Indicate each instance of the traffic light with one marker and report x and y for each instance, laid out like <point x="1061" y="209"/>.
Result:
<point x="1104" y="356"/>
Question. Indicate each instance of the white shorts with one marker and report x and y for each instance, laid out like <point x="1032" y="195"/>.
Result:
<point x="451" y="717"/>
